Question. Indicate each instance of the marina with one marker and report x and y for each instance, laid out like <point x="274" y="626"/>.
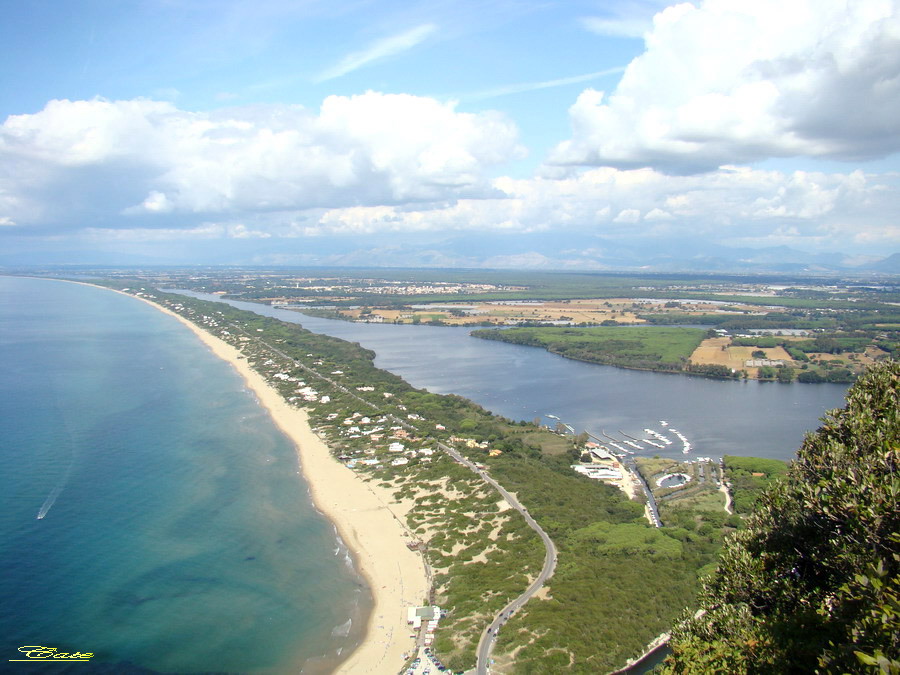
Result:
<point x="614" y="464"/>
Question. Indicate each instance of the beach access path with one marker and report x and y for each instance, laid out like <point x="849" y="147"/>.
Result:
<point x="361" y="513"/>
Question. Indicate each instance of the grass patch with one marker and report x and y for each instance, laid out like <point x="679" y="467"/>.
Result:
<point x="645" y="347"/>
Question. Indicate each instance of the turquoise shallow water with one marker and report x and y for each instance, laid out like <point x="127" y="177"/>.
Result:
<point x="176" y="534"/>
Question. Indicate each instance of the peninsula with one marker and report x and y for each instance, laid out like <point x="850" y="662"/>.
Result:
<point x="378" y="434"/>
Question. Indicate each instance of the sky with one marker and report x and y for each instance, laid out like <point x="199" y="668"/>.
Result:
<point x="491" y="133"/>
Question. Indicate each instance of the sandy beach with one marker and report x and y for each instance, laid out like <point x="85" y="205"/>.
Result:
<point x="362" y="514"/>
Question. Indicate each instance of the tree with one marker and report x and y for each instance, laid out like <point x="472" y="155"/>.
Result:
<point x="826" y="344"/>
<point x="810" y="376"/>
<point x="813" y="582"/>
<point x="766" y="373"/>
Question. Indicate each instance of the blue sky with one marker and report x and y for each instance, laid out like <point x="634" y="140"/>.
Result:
<point x="503" y="134"/>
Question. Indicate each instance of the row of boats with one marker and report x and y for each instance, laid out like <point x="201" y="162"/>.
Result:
<point x="654" y="439"/>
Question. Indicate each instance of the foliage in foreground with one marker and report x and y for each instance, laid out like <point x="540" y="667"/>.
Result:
<point x="749" y="477"/>
<point x="812" y="583"/>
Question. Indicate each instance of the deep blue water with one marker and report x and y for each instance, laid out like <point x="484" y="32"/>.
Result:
<point x="176" y="535"/>
<point x="718" y="417"/>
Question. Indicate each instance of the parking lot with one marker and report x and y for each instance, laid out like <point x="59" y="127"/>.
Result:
<point x="426" y="663"/>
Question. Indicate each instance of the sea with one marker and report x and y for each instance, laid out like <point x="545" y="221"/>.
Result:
<point x="151" y="513"/>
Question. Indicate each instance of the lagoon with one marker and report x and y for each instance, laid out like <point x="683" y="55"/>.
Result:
<point x="717" y="417"/>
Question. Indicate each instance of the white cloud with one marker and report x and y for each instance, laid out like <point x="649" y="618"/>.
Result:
<point x="241" y="231"/>
<point x="380" y="49"/>
<point x="627" y="216"/>
<point x="141" y="157"/>
<point x="375" y="164"/>
<point x="545" y="84"/>
<point x="735" y="81"/>
<point x="205" y="231"/>
<point x="156" y="202"/>
<point x="627" y="18"/>
<point x="658" y="214"/>
<point x="729" y="204"/>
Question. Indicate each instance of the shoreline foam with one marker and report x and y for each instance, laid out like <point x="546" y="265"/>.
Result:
<point x="359" y="510"/>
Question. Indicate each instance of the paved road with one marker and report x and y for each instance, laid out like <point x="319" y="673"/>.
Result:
<point x="631" y="465"/>
<point x="489" y="637"/>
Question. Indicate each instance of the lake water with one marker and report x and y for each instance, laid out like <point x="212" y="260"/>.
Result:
<point x="717" y="417"/>
<point x="150" y="511"/>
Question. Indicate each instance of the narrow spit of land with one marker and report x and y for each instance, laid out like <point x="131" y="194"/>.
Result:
<point x="396" y="581"/>
<point x="488" y="638"/>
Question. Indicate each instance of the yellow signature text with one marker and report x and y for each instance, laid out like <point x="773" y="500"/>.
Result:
<point x="39" y="653"/>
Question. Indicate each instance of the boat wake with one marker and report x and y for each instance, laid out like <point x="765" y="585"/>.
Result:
<point x="51" y="499"/>
<point x="55" y="492"/>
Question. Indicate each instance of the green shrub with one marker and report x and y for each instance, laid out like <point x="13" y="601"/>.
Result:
<point x="813" y="582"/>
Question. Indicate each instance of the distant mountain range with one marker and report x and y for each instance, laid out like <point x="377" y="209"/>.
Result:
<point x="535" y="250"/>
<point x="542" y="252"/>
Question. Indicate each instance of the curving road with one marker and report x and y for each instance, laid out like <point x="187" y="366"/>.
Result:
<point x="489" y="637"/>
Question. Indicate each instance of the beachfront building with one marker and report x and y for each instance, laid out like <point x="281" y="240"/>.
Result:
<point x="598" y="472"/>
<point x="416" y="615"/>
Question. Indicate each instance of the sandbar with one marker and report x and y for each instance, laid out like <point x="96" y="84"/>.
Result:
<point x="362" y="513"/>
